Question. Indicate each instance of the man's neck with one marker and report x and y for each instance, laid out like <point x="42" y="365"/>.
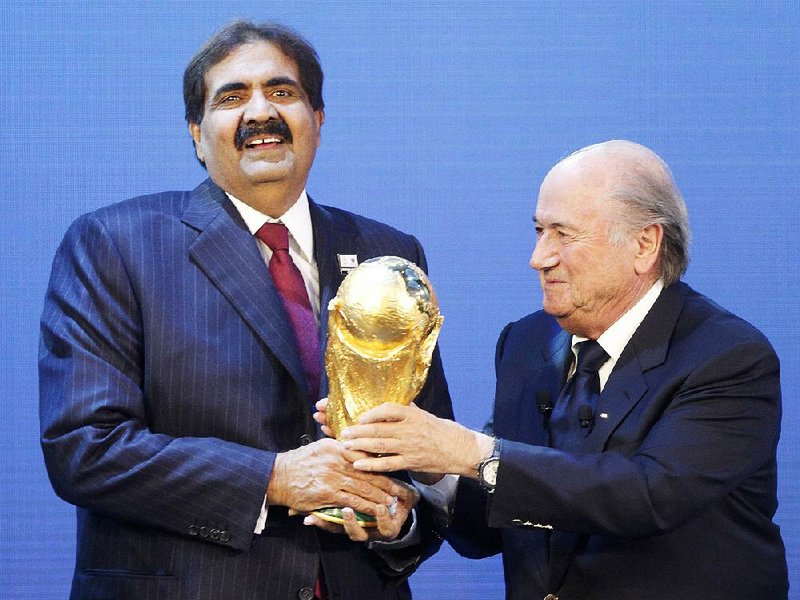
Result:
<point x="605" y="316"/>
<point x="271" y="199"/>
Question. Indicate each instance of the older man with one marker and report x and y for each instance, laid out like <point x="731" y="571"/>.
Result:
<point x="181" y="357"/>
<point x="632" y="448"/>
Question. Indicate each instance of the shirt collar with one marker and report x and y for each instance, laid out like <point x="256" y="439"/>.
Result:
<point x="297" y="220"/>
<point x="614" y="339"/>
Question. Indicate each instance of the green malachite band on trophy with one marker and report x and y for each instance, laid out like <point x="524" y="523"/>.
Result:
<point x="334" y="515"/>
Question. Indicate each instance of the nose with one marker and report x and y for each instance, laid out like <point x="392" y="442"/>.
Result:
<point x="545" y="253"/>
<point x="259" y="108"/>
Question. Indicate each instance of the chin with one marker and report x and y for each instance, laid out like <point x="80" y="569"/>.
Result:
<point x="267" y="175"/>
<point x="265" y="172"/>
<point x="556" y="309"/>
<point x="560" y="314"/>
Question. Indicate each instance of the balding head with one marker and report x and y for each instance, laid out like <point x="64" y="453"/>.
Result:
<point x="616" y="157"/>
<point x="641" y="183"/>
<point x="609" y="223"/>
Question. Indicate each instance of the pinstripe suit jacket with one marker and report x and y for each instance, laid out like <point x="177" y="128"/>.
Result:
<point x="169" y="380"/>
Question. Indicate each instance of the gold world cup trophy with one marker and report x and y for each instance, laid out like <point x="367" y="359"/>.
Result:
<point x="382" y="329"/>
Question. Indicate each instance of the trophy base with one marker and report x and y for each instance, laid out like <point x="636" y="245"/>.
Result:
<point x="334" y="515"/>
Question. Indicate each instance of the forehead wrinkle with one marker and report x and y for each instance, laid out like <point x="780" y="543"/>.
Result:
<point x="543" y="222"/>
<point x="239" y="53"/>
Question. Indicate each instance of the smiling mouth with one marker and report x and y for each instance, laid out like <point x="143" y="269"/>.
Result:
<point x="264" y="141"/>
<point x="262" y="135"/>
<point x="552" y="282"/>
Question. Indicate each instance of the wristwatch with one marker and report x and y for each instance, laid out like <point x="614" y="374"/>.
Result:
<point x="487" y="468"/>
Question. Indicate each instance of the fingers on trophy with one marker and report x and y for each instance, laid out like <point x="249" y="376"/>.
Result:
<point x="382" y="329"/>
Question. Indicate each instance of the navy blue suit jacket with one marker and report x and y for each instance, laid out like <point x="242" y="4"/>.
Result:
<point x="674" y="490"/>
<point x="169" y="380"/>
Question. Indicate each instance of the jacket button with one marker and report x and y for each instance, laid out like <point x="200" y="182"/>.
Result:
<point x="305" y="593"/>
<point x="551" y="597"/>
<point x="305" y="440"/>
<point x="194" y="530"/>
<point x="224" y="536"/>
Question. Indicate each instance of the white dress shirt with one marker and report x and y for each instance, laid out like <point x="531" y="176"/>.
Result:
<point x="301" y="240"/>
<point x="614" y="339"/>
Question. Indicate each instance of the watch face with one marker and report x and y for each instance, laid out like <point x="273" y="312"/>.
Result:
<point x="489" y="472"/>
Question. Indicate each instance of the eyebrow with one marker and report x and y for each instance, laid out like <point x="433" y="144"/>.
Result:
<point x="233" y="86"/>
<point x="281" y="80"/>
<point x="554" y="225"/>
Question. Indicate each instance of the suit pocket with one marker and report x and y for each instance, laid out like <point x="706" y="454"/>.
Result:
<point x="114" y="584"/>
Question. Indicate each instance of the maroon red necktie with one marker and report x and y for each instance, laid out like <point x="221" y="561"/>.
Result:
<point x="287" y="278"/>
<point x="289" y="281"/>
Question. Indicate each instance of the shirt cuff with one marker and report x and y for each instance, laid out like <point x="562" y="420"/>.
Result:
<point x="262" y="518"/>
<point x="440" y="496"/>
<point x="409" y="539"/>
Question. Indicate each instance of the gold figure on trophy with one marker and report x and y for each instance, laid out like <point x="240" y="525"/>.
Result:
<point x="382" y="329"/>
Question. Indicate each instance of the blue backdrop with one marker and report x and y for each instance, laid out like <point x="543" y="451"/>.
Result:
<point x="450" y="113"/>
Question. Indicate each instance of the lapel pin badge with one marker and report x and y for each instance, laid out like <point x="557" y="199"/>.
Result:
<point x="603" y="415"/>
<point x="347" y="262"/>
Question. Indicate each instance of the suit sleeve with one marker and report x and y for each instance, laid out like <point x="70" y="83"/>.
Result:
<point x="98" y="449"/>
<point x="717" y="424"/>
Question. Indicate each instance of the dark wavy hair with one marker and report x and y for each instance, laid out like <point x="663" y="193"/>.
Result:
<point x="236" y="34"/>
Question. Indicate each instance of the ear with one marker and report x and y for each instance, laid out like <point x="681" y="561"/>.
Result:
<point x="319" y="115"/>
<point x="648" y="249"/>
<point x="194" y="131"/>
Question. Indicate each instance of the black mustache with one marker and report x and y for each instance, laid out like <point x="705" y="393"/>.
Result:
<point x="267" y="128"/>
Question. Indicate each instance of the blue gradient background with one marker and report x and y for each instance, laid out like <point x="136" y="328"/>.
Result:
<point x="442" y="119"/>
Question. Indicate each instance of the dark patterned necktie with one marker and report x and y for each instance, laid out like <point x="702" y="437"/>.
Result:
<point x="292" y="288"/>
<point x="573" y="415"/>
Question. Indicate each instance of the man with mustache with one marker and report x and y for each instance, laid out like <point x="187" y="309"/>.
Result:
<point x="632" y="448"/>
<point x="181" y="357"/>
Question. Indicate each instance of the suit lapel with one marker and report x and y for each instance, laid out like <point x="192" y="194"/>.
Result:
<point x="562" y="544"/>
<point x="516" y="412"/>
<point x="228" y="254"/>
<point x="557" y="357"/>
<point x="625" y="388"/>
<point x="333" y="235"/>
<point x="647" y="349"/>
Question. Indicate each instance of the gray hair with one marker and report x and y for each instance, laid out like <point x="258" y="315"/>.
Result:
<point x="647" y="195"/>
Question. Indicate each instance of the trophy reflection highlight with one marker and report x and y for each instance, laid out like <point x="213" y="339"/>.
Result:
<point x="382" y="329"/>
